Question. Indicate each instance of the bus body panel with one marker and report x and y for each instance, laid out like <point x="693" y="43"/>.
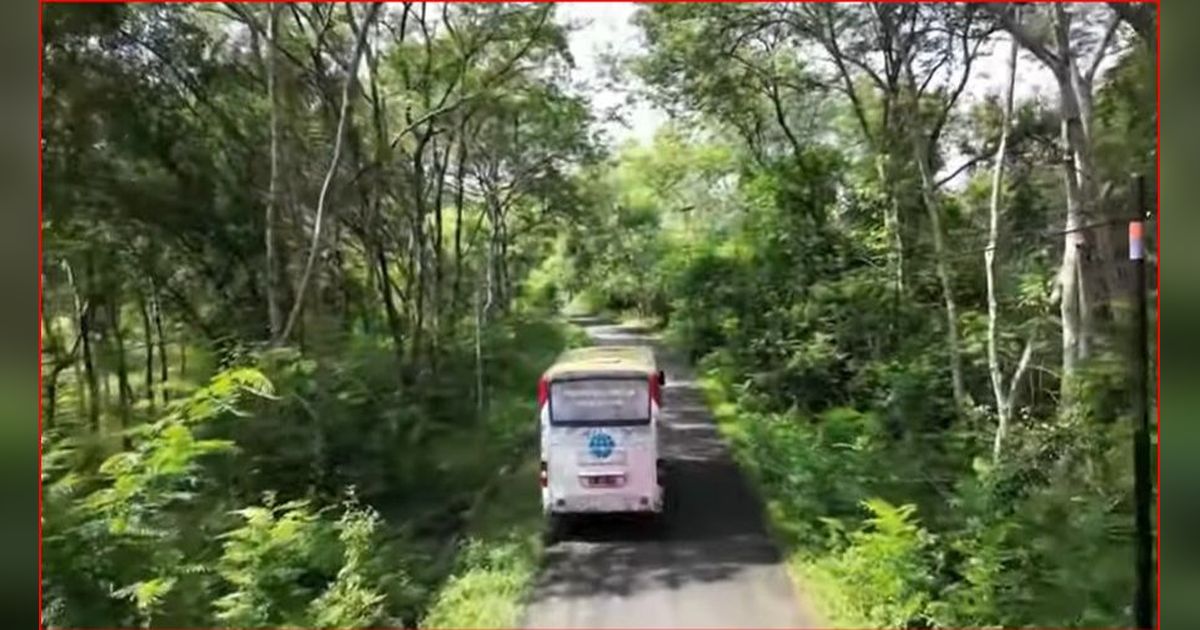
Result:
<point x="599" y="468"/>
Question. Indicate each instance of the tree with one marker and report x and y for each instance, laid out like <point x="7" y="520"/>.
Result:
<point x="1004" y="397"/>
<point x="1086" y="277"/>
<point x="314" y="248"/>
<point x="926" y="54"/>
<point x="274" y="312"/>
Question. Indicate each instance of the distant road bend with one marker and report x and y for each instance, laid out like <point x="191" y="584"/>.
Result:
<point x="714" y="567"/>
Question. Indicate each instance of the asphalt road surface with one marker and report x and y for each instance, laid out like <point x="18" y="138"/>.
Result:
<point x="713" y="564"/>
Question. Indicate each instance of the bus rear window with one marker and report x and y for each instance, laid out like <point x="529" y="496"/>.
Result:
<point x="590" y="401"/>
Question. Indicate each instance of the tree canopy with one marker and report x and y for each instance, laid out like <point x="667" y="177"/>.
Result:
<point x="303" y="263"/>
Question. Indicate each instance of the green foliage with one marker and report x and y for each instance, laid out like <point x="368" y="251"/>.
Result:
<point x="547" y="287"/>
<point x="833" y="384"/>
<point x="470" y="202"/>
<point x="497" y="560"/>
<point x="359" y="595"/>
<point x="1005" y="535"/>
<point x="884" y="572"/>
<point x="275" y="563"/>
<point x="1126" y="115"/>
<point x="997" y="542"/>
<point x="141" y="522"/>
<point x="263" y="561"/>
<point x="487" y="588"/>
<point x="170" y="532"/>
<point x="815" y="471"/>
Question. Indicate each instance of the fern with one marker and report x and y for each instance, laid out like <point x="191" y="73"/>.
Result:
<point x="137" y="524"/>
<point x="884" y="576"/>
<point x="263" y="560"/>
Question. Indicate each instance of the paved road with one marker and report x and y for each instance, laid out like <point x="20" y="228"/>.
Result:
<point x="713" y="567"/>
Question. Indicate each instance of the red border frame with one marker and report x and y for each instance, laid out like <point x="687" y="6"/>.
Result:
<point x="1158" y="252"/>
<point x="1154" y="2"/>
<point x="1158" y="312"/>
<point x="41" y="49"/>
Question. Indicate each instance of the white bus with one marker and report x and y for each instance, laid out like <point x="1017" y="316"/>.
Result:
<point x="598" y="409"/>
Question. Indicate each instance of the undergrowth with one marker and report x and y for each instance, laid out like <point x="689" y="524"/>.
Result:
<point x="849" y="512"/>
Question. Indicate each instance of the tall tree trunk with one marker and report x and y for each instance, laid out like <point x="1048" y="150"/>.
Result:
<point x="438" y="229"/>
<point x="493" y="257"/>
<point x="52" y="345"/>
<point x="1003" y="403"/>
<point x="459" y="197"/>
<point x="83" y="323"/>
<point x="1079" y="186"/>
<point x="124" y="391"/>
<point x="891" y="223"/>
<point x="1075" y="104"/>
<point x="315" y="246"/>
<point x="345" y="295"/>
<point x="375" y="223"/>
<point x="274" y="314"/>
<point x="102" y="371"/>
<point x="148" y="341"/>
<point x="163" y="370"/>
<point x="1074" y="331"/>
<point x="81" y="409"/>
<point x="389" y="304"/>
<point x="479" y="393"/>
<point x="49" y="399"/>
<point x="1100" y="277"/>
<point x="941" y="266"/>
<point x="96" y="303"/>
<point x="417" y="244"/>
<point x="505" y="282"/>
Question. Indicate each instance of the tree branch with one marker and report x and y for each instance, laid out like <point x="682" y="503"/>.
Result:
<point x="1142" y="17"/>
<point x="966" y="165"/>
<point x="1022" y="367"/>
<point x="835" y="52"/>
<point x="298" y="305"/>
<point x="1025" y="37"/>
<point x="1102" y="51"/>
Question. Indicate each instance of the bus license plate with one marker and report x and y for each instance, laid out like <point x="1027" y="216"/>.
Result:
<point x="604" y="481"/>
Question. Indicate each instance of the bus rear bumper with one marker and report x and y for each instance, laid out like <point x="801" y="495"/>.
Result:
<point x="603" y="504"/>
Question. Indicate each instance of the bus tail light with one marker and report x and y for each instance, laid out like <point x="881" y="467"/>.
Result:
<point x="543" y="392"/>
<point x="656" y="380"/>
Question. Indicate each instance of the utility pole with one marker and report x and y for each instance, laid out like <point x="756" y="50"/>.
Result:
<point x="1143" y="605"/>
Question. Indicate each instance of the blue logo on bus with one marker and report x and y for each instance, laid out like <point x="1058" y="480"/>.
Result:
<point x="601" y="445"/>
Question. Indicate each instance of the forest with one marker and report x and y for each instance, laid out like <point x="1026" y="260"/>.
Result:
<point x="302" y="265"/>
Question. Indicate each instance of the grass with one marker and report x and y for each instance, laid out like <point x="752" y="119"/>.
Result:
<point x="500" y="549"/>
<point x="498" y="560"/>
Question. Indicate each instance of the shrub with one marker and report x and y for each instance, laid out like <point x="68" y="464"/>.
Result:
<point x="884" y="576"/>
<point x="132" y="550"/>
<point x="815" y="470"/>
<point x="266" y="564"/>
<point x="486" y="588"/>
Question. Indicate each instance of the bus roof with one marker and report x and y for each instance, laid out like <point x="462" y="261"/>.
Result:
<point x="604" y="359"/>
